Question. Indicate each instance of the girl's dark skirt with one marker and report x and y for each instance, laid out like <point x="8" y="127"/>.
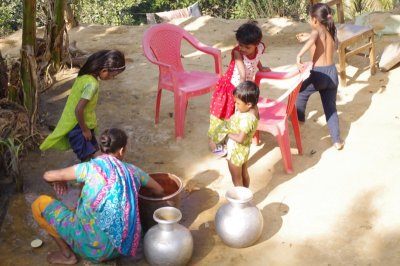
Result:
<point x="82" y="148"/>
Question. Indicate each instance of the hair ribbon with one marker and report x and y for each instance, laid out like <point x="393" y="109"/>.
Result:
<point x="117" y="68"/>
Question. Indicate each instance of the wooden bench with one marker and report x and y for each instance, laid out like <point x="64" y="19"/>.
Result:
<point x="353" y="40"/>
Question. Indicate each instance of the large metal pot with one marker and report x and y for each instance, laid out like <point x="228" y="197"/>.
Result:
<point x="239" y="223"/>
<point x="168" y="242"/>
<point x="149" y="203"/>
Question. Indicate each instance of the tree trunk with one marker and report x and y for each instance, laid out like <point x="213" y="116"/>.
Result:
<point x="58" y="33"/>
<point x="69" y="17"/>
<point x="28" y="62"/>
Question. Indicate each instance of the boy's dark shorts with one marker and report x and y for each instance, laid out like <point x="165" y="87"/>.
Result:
<point x="81" y="147"/>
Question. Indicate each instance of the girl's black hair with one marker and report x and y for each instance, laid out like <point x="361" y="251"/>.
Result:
<point x="113" y="139"/>
<point x="248" y="92"/>
<point x="111" y="60"/>
<point x="249" y="33"/>
<point x="324" y="14"/>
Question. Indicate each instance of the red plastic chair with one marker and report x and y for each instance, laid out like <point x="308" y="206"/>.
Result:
<point x="274" y="114"/>
<point x="162" y="46"/>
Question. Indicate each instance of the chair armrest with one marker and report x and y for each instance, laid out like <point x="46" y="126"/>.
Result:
<point x="216" y="53"/>
<point x="161" y="64"/>
<point x="148" y="53"/>
<point x="307" y="66"/>
<point x="304" y="73"/>
<point x="164" y="68"/>
<point x="263" y="103"/>
<point x="274" y="102"/>
<point x="275" y="75"/>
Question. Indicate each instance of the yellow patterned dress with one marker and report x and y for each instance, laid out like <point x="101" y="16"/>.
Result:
<point x="238" y="153"/>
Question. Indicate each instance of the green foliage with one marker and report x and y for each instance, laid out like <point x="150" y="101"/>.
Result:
<point x="11" y="149"/>
<point x="10" y="16"/>
<point x="165" y="5"/>
<point x="130" y="12"/>
<point x="42" y="7"/>
<point x="107" y="12"/>
<point x="357" y="7"/>
<point x="266" y="8"/>
<point x="223" y="9"/>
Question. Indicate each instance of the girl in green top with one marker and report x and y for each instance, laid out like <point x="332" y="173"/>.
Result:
<point x="75" y="129"/>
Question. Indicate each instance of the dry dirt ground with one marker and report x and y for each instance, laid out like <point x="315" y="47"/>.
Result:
<point x="337" y="208"/>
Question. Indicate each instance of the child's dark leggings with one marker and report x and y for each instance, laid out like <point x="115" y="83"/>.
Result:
<point x="325" y="81"/>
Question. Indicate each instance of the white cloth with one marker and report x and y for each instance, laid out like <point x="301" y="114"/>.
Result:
<point x="390" y="56"/>
<point x="178" y="13"/>
<point x="194" y="10"/>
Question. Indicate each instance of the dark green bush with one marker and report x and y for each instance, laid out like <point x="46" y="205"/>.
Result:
<point x="10" y="16"/>
<point x="106" y="12"/>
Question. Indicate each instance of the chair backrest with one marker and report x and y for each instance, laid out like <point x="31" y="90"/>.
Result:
<point x="293" y="96"/>
<point x="295" y="89"/>
<point x="339" y="8"/>
<point x="162" y="43"/>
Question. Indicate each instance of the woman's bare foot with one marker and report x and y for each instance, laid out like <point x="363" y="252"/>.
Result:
<point x="57" y="257"/>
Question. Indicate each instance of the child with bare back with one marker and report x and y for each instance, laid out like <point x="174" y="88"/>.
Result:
<point x="321" y="43"/>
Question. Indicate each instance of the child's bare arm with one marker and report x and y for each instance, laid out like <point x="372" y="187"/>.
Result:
<point x="79" y="110"/>
<point x="240" y="65"/>
<point x="310" y="42"/>
<point x="239" y="138"/>
<point x="263" y="68"/>
<point x="303" y="36"/>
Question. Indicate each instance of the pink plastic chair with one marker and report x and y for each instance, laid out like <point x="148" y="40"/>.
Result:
<point x="162" y="46"/>
<point x="274" y="114"/>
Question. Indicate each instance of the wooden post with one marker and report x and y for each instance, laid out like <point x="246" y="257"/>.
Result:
<point x="342" y="65"/>
<point x="372" y="61"/>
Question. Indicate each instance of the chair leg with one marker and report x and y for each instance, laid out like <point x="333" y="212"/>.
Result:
<point x="180" y="113"/>
<point x="256" y="138"/>
<point x="284" y="145"/>
<point x="372" y="56"/>
<point x="158" y="101"/>
<point x="296" y="130"/>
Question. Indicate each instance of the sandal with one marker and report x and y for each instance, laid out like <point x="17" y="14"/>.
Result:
<point x="220" y="150"/>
